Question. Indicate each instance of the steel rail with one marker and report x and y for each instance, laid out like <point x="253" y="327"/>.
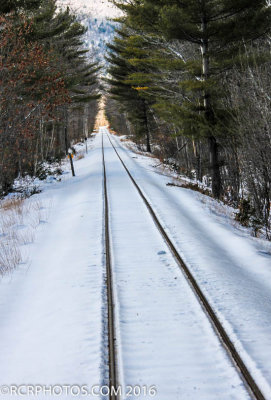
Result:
<point x="112" y="358"/>
<point x="246" y="376"/>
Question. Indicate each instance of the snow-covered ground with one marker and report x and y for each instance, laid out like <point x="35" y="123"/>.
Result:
<point x="52" y="308"/>
<point x="232" y="268"/>
<point x="164" y="337"/>
<point x="53" y="311"/>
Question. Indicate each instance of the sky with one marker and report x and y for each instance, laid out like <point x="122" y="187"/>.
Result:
<point x="98" y="8"/>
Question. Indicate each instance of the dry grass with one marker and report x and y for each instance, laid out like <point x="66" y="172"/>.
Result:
<point x="10" y="256"/>
<point x="80" y="156"/>
<point x="137" y="151"/>
<point x="192" y="186"/>
<point x="26" y="237"/>
<point x="15" y="203"/>
<point x="19" y="219"/>
<point x="220" y="209"/>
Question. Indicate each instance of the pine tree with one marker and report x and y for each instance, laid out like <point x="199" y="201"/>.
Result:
<point x="8" y="6"/>
<point x="122" y="88"/>
<point x="46" y="80"/>
<point x="61" y="33"/>
<point x="218" y="29"/>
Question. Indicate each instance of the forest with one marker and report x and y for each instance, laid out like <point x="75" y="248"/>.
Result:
<point x="135" y="199"/>
<point x="190" y="81"/>
<point x="49" y="87"/>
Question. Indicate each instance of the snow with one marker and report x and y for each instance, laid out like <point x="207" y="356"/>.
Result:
<point x="101" y="8"/>
<point x="233" y="269"/>
<point x="53" y="307"/>
<point x="100" y="32"/>
<point x="165" y="338"/>
<point x="97" y="17"/>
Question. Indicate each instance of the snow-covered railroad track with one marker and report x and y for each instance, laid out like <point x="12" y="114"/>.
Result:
<point x="219" y="329"/>
<point x="112" y="362"/>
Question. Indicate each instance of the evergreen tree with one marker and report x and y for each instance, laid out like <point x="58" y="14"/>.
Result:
<point x="47" y="83"/>
<point x="122" y="88"/>
<point x="8" y="6"/>
<point x="218" y="29"/>
<point x="61" y="33"/>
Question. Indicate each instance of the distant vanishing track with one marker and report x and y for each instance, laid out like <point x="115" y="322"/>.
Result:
<point x="219" y="329"/>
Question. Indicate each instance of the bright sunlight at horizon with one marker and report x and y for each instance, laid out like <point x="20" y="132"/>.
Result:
<point x="101" y="119"/>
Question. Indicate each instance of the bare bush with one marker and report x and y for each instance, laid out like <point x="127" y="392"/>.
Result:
<point x="19" y="219"/>
<point x="10" y="256"/>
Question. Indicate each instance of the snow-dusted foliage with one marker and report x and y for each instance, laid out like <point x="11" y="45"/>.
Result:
<point x="99" y="8"/>
<point x="100" y="32"/>
<point x="97" y="16"/>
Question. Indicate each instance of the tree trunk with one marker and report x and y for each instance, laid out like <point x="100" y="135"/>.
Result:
<point x="148" y="144"/>
<point x="215" y="167"/>
<point x="51" y="142"/>
<point x="148" y="140"/>
<point x="66" y="141"/>
<point x="196" y="150"/>
<point x="213" y="147"/>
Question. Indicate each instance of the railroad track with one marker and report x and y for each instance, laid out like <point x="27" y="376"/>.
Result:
<point x="236" y="359"/>
<point x="112" y="358"/>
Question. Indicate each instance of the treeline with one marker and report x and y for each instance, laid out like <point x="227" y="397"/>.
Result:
<point x="191" y="79"/>
<point x="48" y="86"/>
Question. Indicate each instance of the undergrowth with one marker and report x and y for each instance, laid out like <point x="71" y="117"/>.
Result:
<point x="19" y="218"/>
